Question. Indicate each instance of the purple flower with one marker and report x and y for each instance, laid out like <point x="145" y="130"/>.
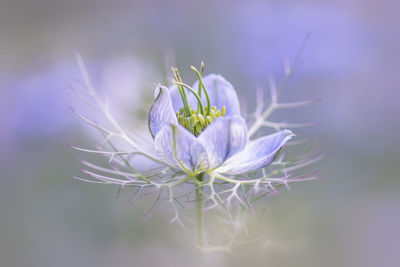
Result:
<point x="212" y="138"/>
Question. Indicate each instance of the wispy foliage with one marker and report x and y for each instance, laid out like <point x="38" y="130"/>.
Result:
<point x="232" y="196"/>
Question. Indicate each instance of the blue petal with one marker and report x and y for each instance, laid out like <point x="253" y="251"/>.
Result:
<point x="221" y="93"/>
<point x="224" y="138"/>
<point x="257" y="154"/>
<point x="161" y="112"/>
<point x="181" y="149"/>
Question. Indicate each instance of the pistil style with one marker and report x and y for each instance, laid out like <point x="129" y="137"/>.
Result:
<point x="196" y="120"/>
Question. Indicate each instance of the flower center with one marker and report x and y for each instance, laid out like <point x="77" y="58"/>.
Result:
<point x="196" y="120"/>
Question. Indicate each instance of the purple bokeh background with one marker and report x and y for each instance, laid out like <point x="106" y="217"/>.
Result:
<point x="350" y="62"/>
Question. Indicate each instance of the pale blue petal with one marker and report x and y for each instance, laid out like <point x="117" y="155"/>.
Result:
<point x="221" y="93"/>
<point x="224" y="138"/>
<point x="257" y="154"/>
<point x="161" y="112"/>
<point x="181" y="149"/>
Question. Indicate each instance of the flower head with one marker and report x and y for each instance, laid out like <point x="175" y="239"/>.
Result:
<point x="202" y="145"/>
<point x="213" y="135"/>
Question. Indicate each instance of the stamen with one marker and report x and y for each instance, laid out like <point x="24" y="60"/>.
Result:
<point x="209" y="120"/>
<point x="201" y="120"/>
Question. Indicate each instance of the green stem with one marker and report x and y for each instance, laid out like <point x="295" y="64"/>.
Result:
<point x="199" y="210"/>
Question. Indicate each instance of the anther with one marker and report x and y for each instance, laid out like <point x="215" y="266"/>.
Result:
<point x="208" y="120"/>
<point x="223" y="110"/>
<point x="201" y="119"/>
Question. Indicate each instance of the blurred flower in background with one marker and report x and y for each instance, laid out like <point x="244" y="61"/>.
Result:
<point x="42" y="106"/>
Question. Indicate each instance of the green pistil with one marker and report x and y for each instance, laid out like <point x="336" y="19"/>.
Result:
<point x="201" y="85"/>
<point x="196" y="120"/>
<point x="200" y="105"/>
<point x="181" y="91"/>
<point x="201" y="74"/>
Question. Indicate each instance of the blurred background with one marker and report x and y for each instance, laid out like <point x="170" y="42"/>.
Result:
<point x="351" y="62"/>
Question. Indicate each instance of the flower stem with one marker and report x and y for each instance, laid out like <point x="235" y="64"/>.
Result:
<point x="199" y="211"/>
